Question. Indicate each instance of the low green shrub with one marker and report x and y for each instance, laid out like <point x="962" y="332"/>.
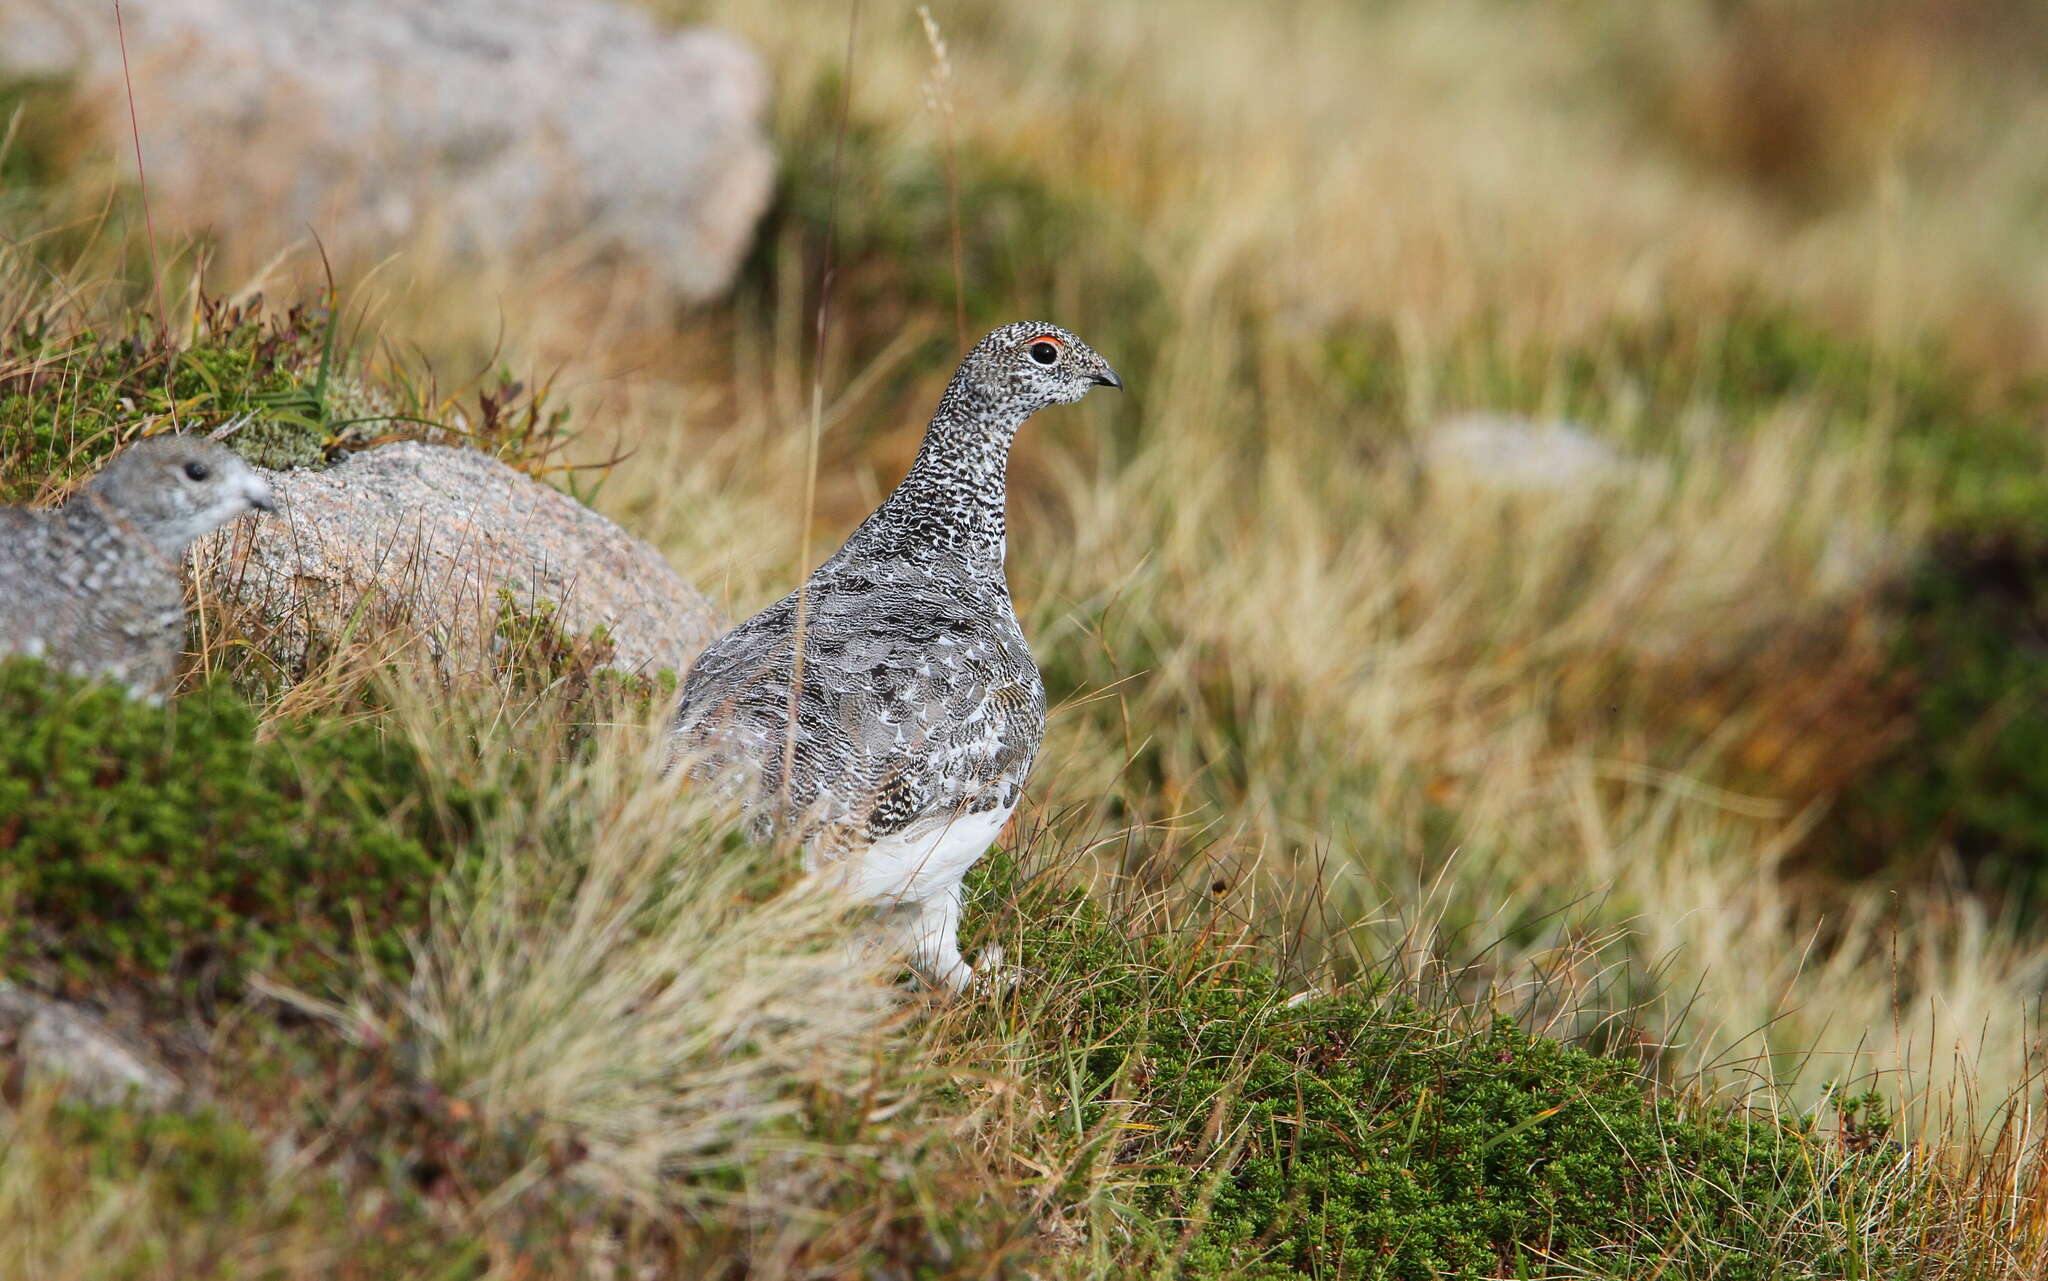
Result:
<point x="170" y="844"/>
<point x="201" y="1162"/>
<point x="71" y="396"/>
<point x="1362" y="1135"/>
<point x="533" y="654"/>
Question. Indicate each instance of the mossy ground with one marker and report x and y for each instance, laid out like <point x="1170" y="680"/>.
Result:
<point x="71" y="396"/>
<point x="1360" y="1133"/>
<point x="1968" y="781"/>
<point x="170" y="845"/>
<point x="295" y="381"/>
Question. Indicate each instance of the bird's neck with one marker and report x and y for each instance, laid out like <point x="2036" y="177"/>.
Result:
<point x="953" y="499"/>
<point x="95" y="521"/>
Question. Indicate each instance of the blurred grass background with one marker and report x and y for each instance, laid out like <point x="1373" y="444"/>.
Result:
<point x="1748" y="733"/>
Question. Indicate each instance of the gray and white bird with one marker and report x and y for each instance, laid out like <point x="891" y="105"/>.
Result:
<point x="921" y="709"/>
<point x="92" y="586"/>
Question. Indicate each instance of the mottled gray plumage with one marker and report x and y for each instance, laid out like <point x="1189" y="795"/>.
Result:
<point x="92" y="586"/>
<point x="921" y="709"/>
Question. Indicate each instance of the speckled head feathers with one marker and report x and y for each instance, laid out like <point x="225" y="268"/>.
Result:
<point x="173" y="489"/>
<point x="1034" y="364"/>
<point x="954" y="495"/>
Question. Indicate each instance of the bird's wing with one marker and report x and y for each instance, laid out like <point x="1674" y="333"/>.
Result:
<point x="912" y="705"/>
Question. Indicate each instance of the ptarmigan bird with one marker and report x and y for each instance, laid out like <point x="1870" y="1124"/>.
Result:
<point x="92" y="586"/>
<point x="921" y="709"/>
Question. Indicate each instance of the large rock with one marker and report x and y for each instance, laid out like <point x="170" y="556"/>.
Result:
<point x="579" y="127"/>
<point x="429" y="535"/>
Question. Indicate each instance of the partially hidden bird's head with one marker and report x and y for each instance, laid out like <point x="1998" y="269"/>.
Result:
<point x="173" y="489"/>
<point x="1032" y="365"/>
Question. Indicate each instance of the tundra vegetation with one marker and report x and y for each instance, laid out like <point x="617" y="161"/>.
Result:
<point x="1430" y="872"/>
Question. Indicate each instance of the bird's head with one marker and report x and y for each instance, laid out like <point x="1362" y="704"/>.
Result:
<point x="1036" y="363"/>
<point x="173" y="489"/>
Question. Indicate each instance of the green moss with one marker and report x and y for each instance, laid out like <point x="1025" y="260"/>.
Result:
<point x="1362" y="1135"/>
<point x="204" y="1163"/>
<point x="170" y="845"/>
<point x="71" y="397"/>
<point x="211" y="1203"/>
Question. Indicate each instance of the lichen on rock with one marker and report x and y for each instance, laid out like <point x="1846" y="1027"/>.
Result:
<point x="426" y="538"/>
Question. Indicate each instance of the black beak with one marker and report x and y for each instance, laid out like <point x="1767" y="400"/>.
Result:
<point x="1108" y="378"/>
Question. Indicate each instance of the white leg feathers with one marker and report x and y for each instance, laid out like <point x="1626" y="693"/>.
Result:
<point x="919" y="871"/>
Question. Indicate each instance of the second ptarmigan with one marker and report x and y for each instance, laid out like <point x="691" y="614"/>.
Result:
<point x="93" y="586"/>
<point x="921" y="709"/>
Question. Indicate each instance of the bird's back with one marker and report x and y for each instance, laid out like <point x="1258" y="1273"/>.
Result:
<point x="82" y="596"/>
<point x="920" y="701"/>
<point x="29" y="605"/>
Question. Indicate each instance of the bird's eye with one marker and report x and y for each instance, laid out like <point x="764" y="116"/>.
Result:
<point x="197" y="471"/>
<point x="1044" y="352"/>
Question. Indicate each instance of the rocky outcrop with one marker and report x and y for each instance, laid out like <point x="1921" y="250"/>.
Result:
<point x="423" y="538"/>
<point x="577" y="127"/>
